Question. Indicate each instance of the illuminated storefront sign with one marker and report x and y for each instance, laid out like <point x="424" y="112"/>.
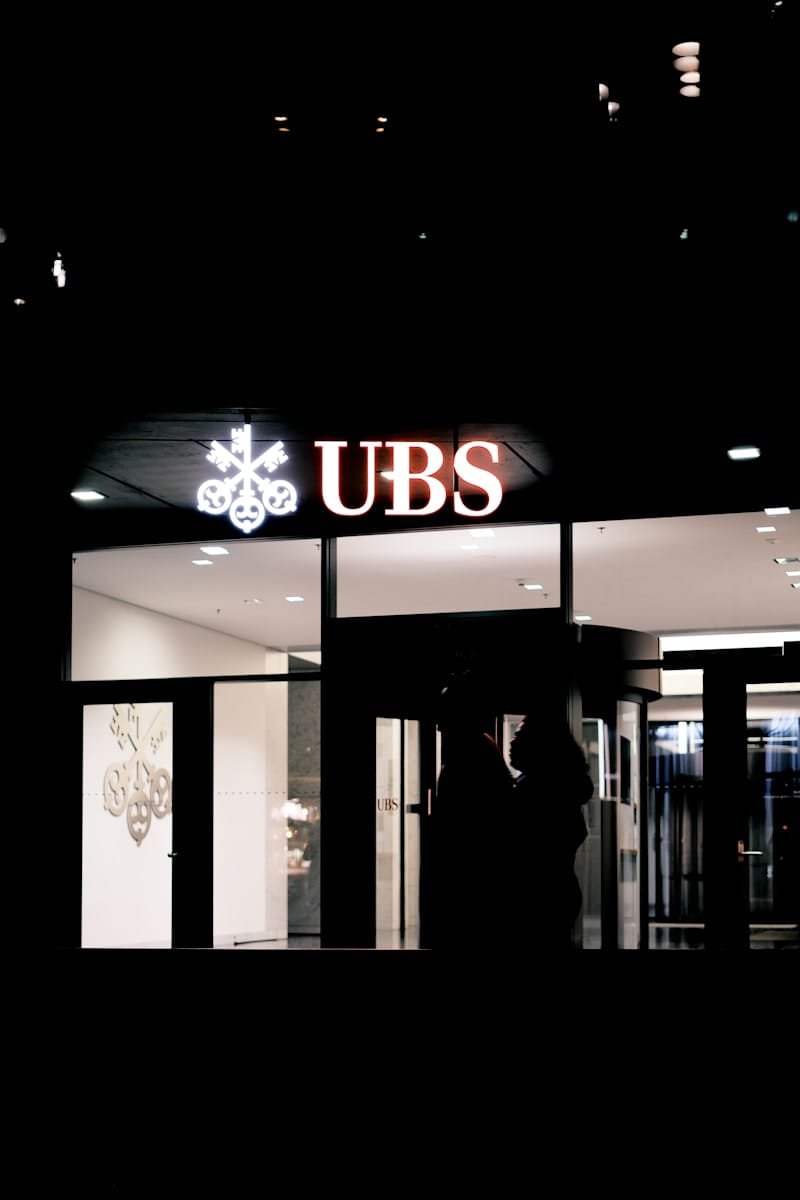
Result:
<point x="248" y="495"/>
<point x="402" y="476"/>
<point x="245" y="495"/>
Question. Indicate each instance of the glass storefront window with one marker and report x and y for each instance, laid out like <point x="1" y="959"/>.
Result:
<point x="222" y="608"/>
<point x="470" y="569"/>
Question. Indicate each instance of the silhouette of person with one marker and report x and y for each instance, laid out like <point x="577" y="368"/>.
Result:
<point x="474" y="795"/>
<point x="551" y="790"/>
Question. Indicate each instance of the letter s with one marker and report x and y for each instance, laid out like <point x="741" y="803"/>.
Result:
<point x="478" y="477"/>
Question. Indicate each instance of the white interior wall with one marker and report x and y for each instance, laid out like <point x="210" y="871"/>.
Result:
<point x="115" y="640"/>
<point x="250" y="793"/>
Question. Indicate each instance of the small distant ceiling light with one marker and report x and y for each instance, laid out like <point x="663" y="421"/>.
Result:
<point x="793" y="573"/>
<point x="684" y="235"/>
<point x="766" y="529"/>
<point x="613" y="107"/>
<point x="283" y="129"/>
<point x="423" y="235"/>
<point x="793" y="216"/>
<point x="686" y="48"/>
<point x="691" y="90"/>
<point x="688" y="63"/>
<point x="294" y="599"/>
<point x="783" y="561"/>
<point x="796" y="585"/>
<point x="603" y="91"/>
<point x="58" y="272"/>
<point x="281" y="120"/>
<point x="87" y="495"/>
<point x="19" y="301"/>
<point x="582" y="617"/>
<point x="777" y="512"/>
<point x="742" y="453"/>
<point x="691" y="77"/>
<point x="211" y="551"/>
<point x="202" y="562"/>
<point x="379" y="129"/>
<point x="532" y="587"/>
<point x="382" y="120"/>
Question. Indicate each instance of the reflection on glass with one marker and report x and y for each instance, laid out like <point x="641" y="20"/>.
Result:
<point x="397" y="833"/>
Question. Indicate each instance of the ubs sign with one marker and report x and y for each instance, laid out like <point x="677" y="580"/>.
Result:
<point x="249" y="491"/>
<point x="401" y="475"/>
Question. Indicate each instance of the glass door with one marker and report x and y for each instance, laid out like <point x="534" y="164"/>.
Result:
<point x="771" y="851"/>
<point x="126" y="898"/>
<point x="398" y="850"/>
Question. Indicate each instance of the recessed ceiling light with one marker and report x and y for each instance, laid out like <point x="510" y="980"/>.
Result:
<point x="481" y="533"/>
<point x="379" y="129"/>
<point x="88" y="495"/>
<point x="766" y="529"/>
<point x="202" y="562"/>
<point x="691" y="77"/>
<point x="796" y="585"/>
<point x="686" y="48"/>
<point x="294" y="599"/>
<point x="687" y="62"/>
<point x="793" y="572"/>
<point x="691" y="90"/>
<point x="213" y="550"/>
<point x="582" y="617"/>
<point x="383" y="120"/>
<point x="603" y="91"/>
<point x="19" y="301"/>
<point x="783" y="561"/>
<point x="470" y="547"/>
<point x="777" y="512"/>
<point x="280" y="119"/>
<point x="283" y="129"/>
<point x="532" y="587"/>
<point x="613" y="107"/>
<point x="742" y="453"/>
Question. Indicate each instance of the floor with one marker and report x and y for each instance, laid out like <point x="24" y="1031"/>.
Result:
<point x="692" y="937"/>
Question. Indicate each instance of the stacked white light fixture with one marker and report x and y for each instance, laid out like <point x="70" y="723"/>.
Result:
<point x="687" y="61"/>
<point x="613" y="105"/>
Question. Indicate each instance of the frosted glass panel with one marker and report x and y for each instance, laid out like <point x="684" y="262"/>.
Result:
<point x="388" y="798"/>
<point x="127" y="825"/>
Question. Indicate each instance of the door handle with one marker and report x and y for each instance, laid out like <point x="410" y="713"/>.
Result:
<point x="746" y="853"/>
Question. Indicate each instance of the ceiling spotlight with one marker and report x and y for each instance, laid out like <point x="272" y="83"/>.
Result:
<point x="691" y="77"/>
<point x="281" y="120"/>
<point x="796" y="585"/>
<point x="211" y="551"/>
<point x="582" y="617"/>
<point x="532" y="587"/>
<point x="19" y="301"/>
<point x="686" y="48"/>
<point x="777" y="512"/>
<point x="87" y="495"/>
<point x="379" y="129"/>
<point x="603" y="91"/>
<point x="423" y="235"/>
<point x="743" y="453"/>
<point x="684" y="235"/>
<point x="766" y="529"/>
<point x="783" y="561"/>
<point x="688" y="63"/>
<point x="294" y="599"/>
<point x="613" y="107"/>
<point x="202" y="562"/>
<point x="382" y="120"/>
<point x="690" y="90"/>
